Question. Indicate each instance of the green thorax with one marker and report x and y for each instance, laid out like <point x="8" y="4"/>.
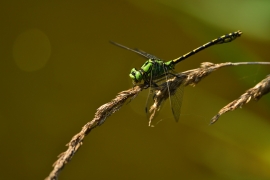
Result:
<point x="155" y="68"/>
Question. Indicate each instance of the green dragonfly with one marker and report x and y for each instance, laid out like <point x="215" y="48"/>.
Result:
<point x="156" y="70"/>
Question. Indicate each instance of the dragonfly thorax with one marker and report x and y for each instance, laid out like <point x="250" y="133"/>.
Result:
<point x="150" y="70"/>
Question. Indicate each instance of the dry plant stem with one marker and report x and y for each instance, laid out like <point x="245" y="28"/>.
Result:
<point x="102" y="113"/>
<point x="255" y="93"/>
<point x="190" y="77"/>
<point x="196" y="75"/>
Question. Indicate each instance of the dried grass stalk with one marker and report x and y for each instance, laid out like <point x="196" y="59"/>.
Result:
<point x="102" y="113"/>
<point x="255" y="93"/>
<point x="190" y="77"/>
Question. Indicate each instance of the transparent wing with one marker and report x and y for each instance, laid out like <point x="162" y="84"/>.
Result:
<point x="160" y="80"/>
<point x="158" y="83"/>
<point x="154" y="84"/>
<point x="140" y="52"/>
<point x="176" y="100"/>
<point x="149" y="56"/>
<point x="150" y="95"/>
<point x="149" y="100"/>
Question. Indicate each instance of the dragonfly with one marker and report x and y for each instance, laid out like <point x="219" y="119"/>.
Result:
<point x="156" y="70"/>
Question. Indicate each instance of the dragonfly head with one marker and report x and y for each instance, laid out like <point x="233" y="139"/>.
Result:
<point x="135" y="75"/>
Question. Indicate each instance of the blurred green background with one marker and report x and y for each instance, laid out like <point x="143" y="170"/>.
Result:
<point x="57" y="67"/>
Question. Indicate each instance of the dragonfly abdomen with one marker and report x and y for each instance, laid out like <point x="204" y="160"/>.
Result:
<point x="222" y="39"/>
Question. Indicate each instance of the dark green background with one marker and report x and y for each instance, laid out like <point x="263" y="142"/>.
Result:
<point x="57" y="67"/>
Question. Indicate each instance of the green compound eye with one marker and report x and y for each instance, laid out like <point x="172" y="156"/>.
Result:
<point x="135" y="75"/>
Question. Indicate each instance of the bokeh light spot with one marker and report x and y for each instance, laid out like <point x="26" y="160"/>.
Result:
<point x="31" y="50"/>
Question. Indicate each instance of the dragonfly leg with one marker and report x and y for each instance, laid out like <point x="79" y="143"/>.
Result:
<point x="146" y="85"/>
